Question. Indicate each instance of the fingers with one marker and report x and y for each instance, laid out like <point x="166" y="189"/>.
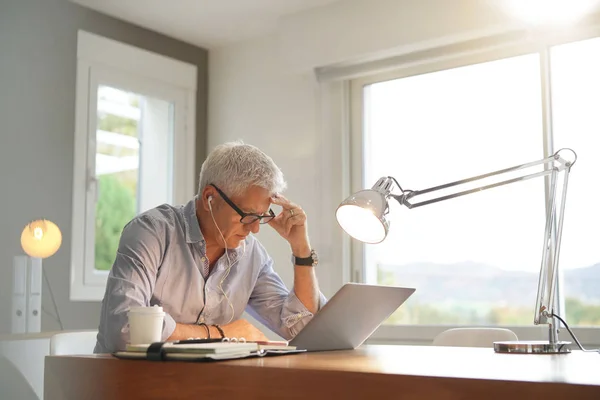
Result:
<point x="294" y="212"/>
<point x="290" y="215"/>
<point x="296" y="217"/>
<point x="280" y="200"/>
<point x="287" y="219"/>
<point x="289" y="223"/>
<point x="289" y="209"/>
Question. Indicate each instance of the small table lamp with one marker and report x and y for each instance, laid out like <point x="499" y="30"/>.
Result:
<point x="363" y="216"/>
<point x="39" y="239"/>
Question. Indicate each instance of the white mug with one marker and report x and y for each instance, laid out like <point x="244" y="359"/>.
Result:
<point x="145" y="324"/>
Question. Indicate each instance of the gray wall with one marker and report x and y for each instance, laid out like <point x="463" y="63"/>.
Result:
<point x="38" y="41"/>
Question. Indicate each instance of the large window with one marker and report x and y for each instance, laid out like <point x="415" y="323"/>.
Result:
<point x="576" y="124"/>
<point x="475" y="259"/>
<point x="134" y="149"/>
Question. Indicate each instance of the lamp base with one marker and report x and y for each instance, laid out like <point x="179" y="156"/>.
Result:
<point x="532" y="347"/>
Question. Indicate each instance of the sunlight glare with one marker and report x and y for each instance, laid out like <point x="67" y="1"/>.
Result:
<point x="540" y="12"/>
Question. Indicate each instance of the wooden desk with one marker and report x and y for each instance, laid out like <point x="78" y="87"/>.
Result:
<point x="370" y="372"/>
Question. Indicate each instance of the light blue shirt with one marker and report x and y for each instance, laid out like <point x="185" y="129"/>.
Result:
<point x="159" y="261"/>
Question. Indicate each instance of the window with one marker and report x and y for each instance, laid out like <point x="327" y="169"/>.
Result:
<point x="576" y="124"/>
<point x="134" y="146"/>
<point x="475" y="259"/>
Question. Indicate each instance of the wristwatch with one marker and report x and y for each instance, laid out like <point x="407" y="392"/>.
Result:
<point x="311" y="260"/>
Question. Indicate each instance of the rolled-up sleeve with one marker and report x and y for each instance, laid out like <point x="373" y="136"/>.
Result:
<point x="131" y="283"/>
<point x="275" y="306"/>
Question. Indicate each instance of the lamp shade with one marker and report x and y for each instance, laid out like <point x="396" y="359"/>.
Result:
<point x="362" y="216"/>
<point x="41" y="238"/>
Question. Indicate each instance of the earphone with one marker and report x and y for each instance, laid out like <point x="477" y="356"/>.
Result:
<point x="228" y="260"/>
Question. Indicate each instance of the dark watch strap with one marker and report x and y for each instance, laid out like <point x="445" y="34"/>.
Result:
<point x="310" y="261"/>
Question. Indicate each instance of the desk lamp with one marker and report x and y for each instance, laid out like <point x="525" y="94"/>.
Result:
<point x="363" y="216"/>
<point x="40" y="239"/>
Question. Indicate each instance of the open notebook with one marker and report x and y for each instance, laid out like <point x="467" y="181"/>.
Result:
<point x="196" y="350"/>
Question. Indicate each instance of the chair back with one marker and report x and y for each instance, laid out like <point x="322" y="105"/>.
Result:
<point x="473" y="337"/>
<point x="13" y="385"/>
<point x="73" y="343"/>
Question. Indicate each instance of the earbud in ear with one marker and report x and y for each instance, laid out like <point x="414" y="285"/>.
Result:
<point x="209" y="201"/>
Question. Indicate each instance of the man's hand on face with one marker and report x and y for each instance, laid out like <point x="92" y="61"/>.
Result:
<point x="291" y="224"/>
<point x="243" y="328"/>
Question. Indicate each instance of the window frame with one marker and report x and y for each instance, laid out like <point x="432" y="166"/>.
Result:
<point x="453" y="56"/>
<point x="102" y="61"/>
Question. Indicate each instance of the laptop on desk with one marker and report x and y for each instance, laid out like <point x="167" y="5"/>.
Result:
<point x="350" y="317"/>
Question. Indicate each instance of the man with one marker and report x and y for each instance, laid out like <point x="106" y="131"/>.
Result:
<point x="202" y="265"/>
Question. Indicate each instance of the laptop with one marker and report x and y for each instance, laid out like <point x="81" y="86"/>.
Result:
<point x="350" y="317"/>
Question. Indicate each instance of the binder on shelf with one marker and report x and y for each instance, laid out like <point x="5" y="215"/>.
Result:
<point x="204" y="349"/>
<point x="26" y="310"/>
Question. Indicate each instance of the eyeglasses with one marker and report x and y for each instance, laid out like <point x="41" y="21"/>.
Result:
<point x="245" y="217"/>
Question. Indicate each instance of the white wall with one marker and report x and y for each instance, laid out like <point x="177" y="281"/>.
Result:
<point x="38" y="43"/>
<point x="264" y="91"/>
<point x="254" y="99"/>
<point x="354" y="30"/>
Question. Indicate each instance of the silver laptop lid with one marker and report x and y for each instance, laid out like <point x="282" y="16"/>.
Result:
<point x="350" y="317"/>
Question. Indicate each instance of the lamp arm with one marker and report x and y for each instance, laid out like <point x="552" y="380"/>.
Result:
<point x="552" y="166"/>
<point x="556" y="161"/>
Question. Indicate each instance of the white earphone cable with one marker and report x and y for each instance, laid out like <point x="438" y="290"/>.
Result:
<point x="229" y="265"/>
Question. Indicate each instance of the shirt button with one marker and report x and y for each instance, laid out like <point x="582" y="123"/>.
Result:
<point x="201" y="319"/>
<point x="203" y="259"/>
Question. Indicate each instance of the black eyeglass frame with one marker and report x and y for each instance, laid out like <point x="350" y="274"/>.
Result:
<point x="246" y="218"/>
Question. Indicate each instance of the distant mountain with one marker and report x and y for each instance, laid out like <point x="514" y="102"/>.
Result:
<point x="585" y="282"/>
<point x="470" y="282"/>
<point x="592" y="272"/>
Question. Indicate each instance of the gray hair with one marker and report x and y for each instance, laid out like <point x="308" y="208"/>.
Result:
<point x="235" y="166"/>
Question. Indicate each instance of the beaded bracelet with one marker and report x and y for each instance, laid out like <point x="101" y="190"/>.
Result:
<point x="207" y="329"/>
<point x="220" y="331"/>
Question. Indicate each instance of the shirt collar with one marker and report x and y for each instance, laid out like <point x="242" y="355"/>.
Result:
<point x="193" y="234"/>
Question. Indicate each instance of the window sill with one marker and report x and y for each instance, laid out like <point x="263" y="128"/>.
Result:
<point x="589" y="337"/>
<point x="80" y="292"/>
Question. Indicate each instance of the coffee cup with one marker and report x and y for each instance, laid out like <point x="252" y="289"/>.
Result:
<point x="145" y="324"/>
